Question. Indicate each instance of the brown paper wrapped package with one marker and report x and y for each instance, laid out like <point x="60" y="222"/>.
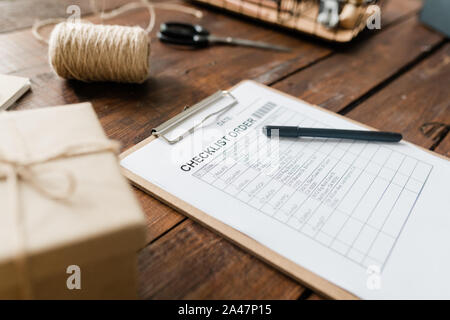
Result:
<point x="99" y="227"/>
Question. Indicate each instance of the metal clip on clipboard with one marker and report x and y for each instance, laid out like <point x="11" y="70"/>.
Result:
<point x="188" y="112"/>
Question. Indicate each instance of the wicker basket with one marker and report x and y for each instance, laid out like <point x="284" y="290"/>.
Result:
<point x="334" y="20"/>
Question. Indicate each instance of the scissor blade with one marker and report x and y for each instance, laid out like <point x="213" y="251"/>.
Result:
<point x="247" y="43"/>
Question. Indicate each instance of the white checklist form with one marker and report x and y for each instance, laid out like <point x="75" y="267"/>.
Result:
<point x="352" y="197"/>
<point x="372" y="218"/>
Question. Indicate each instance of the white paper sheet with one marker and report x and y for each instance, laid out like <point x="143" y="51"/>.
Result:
<point x="11" y="89"/>
<point x="373" y="218"/>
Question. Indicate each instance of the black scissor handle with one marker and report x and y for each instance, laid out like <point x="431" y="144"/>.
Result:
<point x="195" y="41"/>
<point x="183" y="34"/>
<point x="182" y="30"/>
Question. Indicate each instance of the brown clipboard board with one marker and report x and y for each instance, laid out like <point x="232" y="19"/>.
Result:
<point x="291" y="269"/>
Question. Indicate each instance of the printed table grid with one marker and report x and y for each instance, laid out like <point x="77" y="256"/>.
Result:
<point x="309" y="190"/>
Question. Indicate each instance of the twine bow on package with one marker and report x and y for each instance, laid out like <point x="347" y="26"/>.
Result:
<point x="64" y="206"/>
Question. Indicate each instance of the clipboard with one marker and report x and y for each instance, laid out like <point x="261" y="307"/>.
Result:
<point x="288" y="267"/>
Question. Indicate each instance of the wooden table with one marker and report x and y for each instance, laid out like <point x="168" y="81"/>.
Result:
<point x="394" y="79"/>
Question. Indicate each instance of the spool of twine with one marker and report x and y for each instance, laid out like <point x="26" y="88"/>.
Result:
<point x="90" y="52"/>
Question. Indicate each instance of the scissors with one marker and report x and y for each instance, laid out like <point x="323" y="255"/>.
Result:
<point x="196" y="36"/>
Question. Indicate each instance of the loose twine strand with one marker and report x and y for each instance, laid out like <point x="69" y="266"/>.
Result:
<point x="39" y="24"/>
<point x="97" y="52"/>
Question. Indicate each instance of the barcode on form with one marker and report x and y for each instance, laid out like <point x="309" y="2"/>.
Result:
<point x="265" y="109"/>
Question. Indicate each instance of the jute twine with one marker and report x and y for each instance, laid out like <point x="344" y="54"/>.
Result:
<point x="96" y="52"/>
<point x="91" y="52"/>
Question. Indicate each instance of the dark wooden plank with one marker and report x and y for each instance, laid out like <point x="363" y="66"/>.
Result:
<point x="157" y="224"/>
<point x="221" y="270"/>
<point x="392" y="12"/>
<point x="20" y="14"/>
<point x="350" y="74"/>
<point x="314" y="296"/>
<point x="419" y="96"/>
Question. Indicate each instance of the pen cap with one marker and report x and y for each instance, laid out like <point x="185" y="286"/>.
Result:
<point x="281" y="131"/>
